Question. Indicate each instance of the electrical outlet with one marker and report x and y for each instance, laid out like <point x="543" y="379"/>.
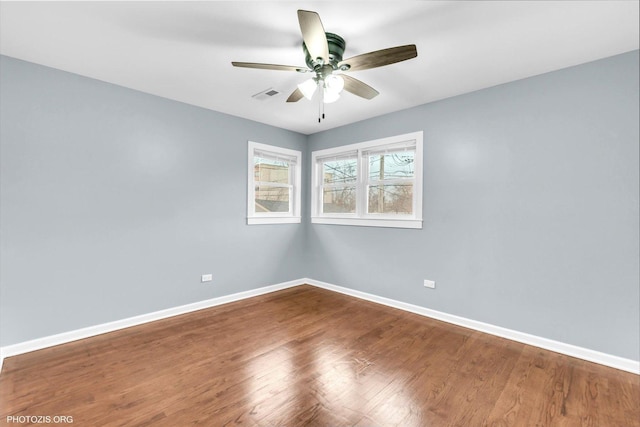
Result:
<point x="206" y="278"/>
<point x="429" y="284"/>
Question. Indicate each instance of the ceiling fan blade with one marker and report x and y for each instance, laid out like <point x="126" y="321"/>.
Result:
<point x="359" y="88"/>
<point x="295" y="96"/>
<point x="313" y="35"/>
<point x="270" y="66"/>
<point x="380" y="58"/>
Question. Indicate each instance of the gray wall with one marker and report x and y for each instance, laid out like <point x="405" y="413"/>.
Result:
<point x="530" y="209"/>
<point x="113" y="202"/>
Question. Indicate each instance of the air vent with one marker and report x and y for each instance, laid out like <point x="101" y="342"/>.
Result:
<point x="266" y="94"/>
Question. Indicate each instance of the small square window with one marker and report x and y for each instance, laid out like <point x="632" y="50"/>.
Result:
<point x="273" y="185"/>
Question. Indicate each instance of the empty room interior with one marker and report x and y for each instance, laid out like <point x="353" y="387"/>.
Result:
<point x="320" y="213"/>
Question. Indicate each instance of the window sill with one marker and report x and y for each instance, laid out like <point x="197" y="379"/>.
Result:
<point x="370" y="222"/>
<point x="273" y="220"/>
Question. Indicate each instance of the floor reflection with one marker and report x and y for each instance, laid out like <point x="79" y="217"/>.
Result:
<point x="326" y="382"/>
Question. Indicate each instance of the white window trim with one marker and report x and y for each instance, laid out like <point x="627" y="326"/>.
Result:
<point x="291" y="217"/>
<point x="360" y="218"/>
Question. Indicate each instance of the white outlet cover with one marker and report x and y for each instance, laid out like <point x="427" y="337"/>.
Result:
<point x="429" y="284"/>
<point x="207" y="277"/>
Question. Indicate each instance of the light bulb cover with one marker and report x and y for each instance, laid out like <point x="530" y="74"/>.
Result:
<point x="308" y="88"/>
<point x="333" y="84"/>
<point x="329" y="97"/>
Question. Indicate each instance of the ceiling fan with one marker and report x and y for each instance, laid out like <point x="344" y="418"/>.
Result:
<point x="323" y="56"/>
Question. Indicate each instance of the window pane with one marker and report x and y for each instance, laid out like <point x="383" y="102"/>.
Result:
<point x="396" y="199"/>
<point x="391" y="165"/>
<point x="339" y="171"/>
<point x="272" y="199"/>
<point x="339" y="200"/>
<point x="269" y="170"/>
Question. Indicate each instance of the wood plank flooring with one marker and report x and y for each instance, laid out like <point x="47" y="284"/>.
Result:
<point x="308" y="356"/>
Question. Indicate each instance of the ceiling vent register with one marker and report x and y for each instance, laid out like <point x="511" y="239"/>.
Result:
<point x="265" y="94"/>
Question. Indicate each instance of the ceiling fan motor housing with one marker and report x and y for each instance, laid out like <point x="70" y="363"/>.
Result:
<point x="336" y="50"/>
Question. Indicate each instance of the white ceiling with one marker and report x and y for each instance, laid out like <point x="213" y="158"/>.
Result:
<point x="183" y="50"/>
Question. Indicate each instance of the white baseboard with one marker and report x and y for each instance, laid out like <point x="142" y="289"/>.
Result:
<point x="66" y="337"/>
<point x="623" y="364"/>
<point x="628" y="365"/>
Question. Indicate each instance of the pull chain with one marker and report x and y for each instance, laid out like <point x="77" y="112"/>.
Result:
<point x="321" y="103"/>
<point x="320" y="112"/>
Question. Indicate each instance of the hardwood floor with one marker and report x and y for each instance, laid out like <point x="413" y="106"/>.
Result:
<point x="307" y="356"/>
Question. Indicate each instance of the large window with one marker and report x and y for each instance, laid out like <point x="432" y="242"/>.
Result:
<point x="374" y="183"/>
<point x="273" y="185"/>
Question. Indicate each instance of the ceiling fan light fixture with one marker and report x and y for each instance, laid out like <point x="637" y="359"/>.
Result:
<point x="333" y="84"/>
<point x="308" y="88"/>
<point x="329" y="97"/>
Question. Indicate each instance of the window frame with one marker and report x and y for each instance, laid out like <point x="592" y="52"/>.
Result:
<point x="293" y="215"/>
<point x="365" y="149"/>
